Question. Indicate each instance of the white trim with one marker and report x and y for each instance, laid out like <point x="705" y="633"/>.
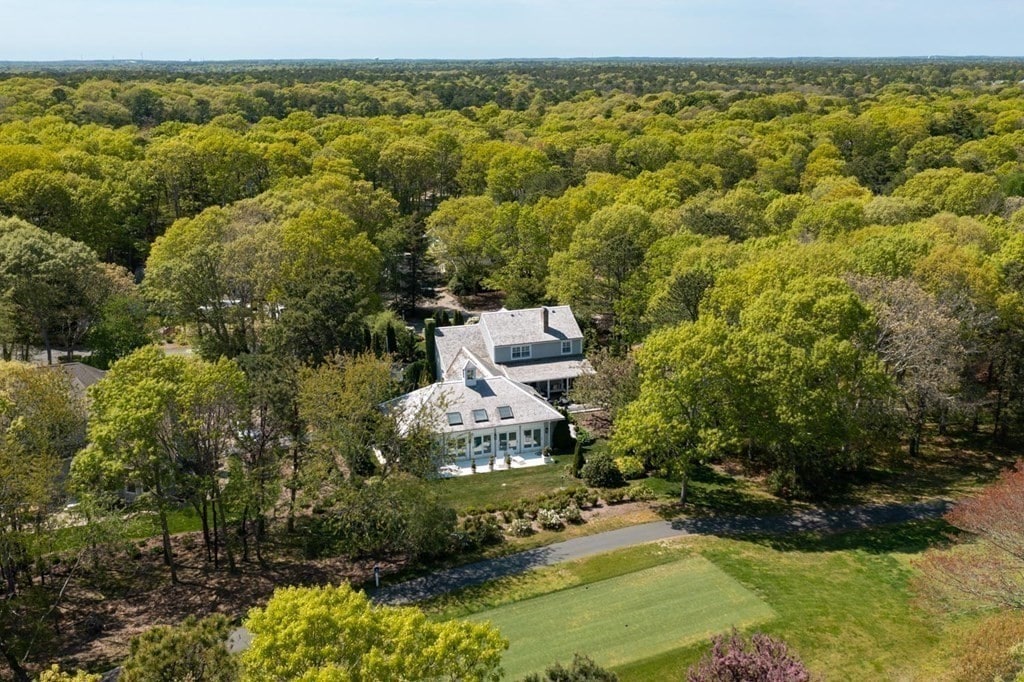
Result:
<point x="525" y="351"/>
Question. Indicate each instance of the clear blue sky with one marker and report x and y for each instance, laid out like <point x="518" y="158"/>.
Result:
<point x="470" y="29"/>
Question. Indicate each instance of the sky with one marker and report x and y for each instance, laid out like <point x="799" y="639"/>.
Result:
<point x="32" y="30"/>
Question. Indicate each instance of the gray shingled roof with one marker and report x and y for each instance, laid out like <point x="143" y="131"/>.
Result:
<point x="437" y="400"/>
<point x="544" y="370"/>
<point x="452" y="342"/>
<point x="82" y="376"/>
<point x="512" y="327"/>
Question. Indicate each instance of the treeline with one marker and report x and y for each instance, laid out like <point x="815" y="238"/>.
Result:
<point x="296" y="234"/>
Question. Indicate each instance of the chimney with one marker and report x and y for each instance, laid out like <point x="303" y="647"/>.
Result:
<point x="544" y="313"/>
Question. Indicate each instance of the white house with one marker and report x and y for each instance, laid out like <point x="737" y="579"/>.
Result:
<point x="484" y="420"/>
<point x="539" y="347"/>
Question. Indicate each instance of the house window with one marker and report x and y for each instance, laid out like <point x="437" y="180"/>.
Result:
<point x="520" y="352"/>
<point x="482" y="445"/>
<point x="566" y="347"/>
<point x="454" y="418"/>
<point x="480" y="416"/>
<point x="504" y="412"/>
<point x="457" y="446"/>
<point x="507" y="441"/>
<point x="531" y="438"/>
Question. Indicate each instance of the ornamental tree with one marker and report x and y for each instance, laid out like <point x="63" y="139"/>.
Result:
<point x="336" y="633"/>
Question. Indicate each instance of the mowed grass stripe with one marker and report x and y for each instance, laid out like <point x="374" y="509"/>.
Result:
<point x="627" y="618"/>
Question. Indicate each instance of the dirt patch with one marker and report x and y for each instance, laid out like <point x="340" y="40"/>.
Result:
<point x="106" y="605"/>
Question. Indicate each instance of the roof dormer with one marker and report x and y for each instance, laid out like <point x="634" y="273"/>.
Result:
<point x="469" y="372"/>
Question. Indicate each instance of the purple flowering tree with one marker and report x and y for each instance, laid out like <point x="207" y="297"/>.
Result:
<point x="763" y="659"/>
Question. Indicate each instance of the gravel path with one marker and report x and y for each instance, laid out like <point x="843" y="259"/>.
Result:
<point x="831" y="521"/>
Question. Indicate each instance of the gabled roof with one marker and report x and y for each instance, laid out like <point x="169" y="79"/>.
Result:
<point x="436" y="401"/>
<point x="456" y="345"/>
<point x="513" y="327"/>
<point x="82" y="376"/>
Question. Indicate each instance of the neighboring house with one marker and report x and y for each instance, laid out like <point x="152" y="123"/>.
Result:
<point x="483" y="419"/>
<point x="82" y="376"/>
<point x="539" y="347"/>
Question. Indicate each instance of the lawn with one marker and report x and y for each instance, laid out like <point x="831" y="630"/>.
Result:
<point x="134" y="527"/>
<point x="622" y="619"/>
<point x="501" y="487"/>
<point x="843" y="602"/>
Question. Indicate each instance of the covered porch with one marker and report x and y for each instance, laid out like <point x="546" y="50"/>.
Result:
<point x="464" y="466"/>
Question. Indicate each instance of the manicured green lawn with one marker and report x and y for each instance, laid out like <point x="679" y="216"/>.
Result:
<point x="842" y="602"/>
<point x="500" y="487"/>
<point x="626" y="618"/>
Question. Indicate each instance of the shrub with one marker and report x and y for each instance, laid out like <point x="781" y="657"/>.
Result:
<point x="732" y="657"/>
<point x="399" y="516"/>
<point x="614" y="496"/>
<point x="630" y="467"/>
<point x="601" y="472"/>
<point x="478" y="531"/>
<point x="583" y="670"/>
<point x="641" y="492"/>
<point x="521" y="528"/>
<point x="176" y="653"/>
<point x="584" y="436"/>
<point x="577" y="459"/>
<point x="572" y="514"/>
<point x="550" y="520"/>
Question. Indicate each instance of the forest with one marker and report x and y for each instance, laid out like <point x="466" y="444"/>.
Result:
<point x="802" y="267"/>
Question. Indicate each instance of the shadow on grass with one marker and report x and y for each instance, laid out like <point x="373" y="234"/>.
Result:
<point x="710" y="492"/>
<point x="912" y="537"/>
<point x="947" y="467"/>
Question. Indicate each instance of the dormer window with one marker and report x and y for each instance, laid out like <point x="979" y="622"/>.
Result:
<point x="520" y="352"/>
<point x="480" y="416"/>
<point x="566" y="347"/>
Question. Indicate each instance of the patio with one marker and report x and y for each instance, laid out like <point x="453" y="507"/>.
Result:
<point x="464" y="467"/>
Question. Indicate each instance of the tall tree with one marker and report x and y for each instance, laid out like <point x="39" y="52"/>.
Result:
<point x="41" y="426"/>
<point x="984" y="567"/>
<point x="354" y="640"/>
<point x="47" y="280"/>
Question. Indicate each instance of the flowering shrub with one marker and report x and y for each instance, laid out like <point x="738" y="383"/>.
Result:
<point x="521" y="528"/>
<point x="762" y="659"/>
<point x="571" y="513"/>
<point x="550" y="520"/>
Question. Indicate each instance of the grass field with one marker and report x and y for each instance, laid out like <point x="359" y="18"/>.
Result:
<point x="500" y="487"/>
<point x="622" y="619"/>
<point x="843" y="602"/>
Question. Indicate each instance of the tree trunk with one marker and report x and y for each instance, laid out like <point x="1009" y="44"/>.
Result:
<point x="20" y="674"/>
<point x="45" y="333"/>
<point x="216" y="537"/>
<point x="168" y="555"/>
<point x="204" y="516"/>
<point x="244" y="529"/>
<point x="682" y="489"/>
<point x="293" y="488"/>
